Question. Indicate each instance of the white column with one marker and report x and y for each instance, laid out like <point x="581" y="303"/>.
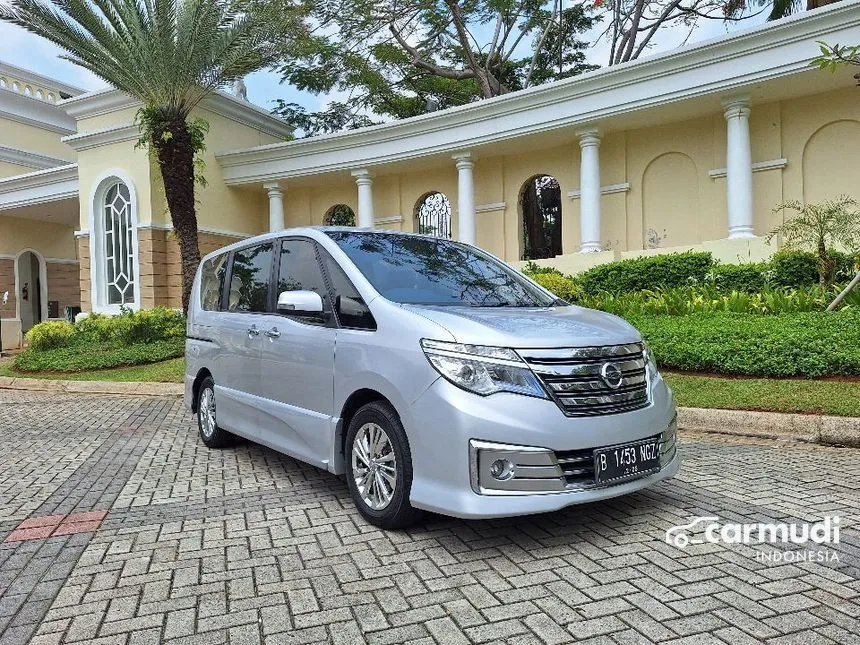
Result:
<point x="276" y="206"/>
<point x="364" y="181"/>
<point x="589" y="187"/>
<point x="739" y="187"/>
<point x="467" y="228"/>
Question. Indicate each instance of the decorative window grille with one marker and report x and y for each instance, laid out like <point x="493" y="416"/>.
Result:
<point x="119" y="251"/>
<point x="434" y="215"/>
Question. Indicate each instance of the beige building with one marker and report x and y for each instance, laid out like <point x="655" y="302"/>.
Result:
<point x="690" y="149"/>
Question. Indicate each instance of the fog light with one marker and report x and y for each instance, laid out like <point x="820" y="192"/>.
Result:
<point x="502" y="469"/>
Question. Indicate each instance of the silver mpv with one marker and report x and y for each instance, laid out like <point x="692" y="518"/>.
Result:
<point x="430" y="373"/>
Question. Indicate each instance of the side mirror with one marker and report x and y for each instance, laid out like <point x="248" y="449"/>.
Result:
<point x="300" y="303"/>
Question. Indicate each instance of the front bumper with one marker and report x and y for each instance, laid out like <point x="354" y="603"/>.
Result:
<point x="445" y="419"/>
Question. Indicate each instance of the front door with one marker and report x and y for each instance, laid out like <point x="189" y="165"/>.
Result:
<point x="238" y="388"/>
<point x="298" y="362"/>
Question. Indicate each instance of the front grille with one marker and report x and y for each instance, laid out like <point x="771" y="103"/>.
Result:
<point x="572" y="376"/>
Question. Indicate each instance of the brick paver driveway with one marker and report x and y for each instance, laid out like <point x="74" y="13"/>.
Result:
<point x="247" y="546"/>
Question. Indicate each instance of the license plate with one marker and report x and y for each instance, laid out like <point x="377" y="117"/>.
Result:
<point x="626" y="461"/>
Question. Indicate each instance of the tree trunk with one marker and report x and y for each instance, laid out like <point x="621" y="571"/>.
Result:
<point x="175" y="153"/>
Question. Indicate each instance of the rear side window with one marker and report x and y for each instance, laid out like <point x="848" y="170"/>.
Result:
<point x="249" y="279"/>
<point x="212" y="282"/>
<point x="351" y="309"/>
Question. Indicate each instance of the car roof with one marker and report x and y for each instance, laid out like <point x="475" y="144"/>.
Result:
<point x="315" y="232"/>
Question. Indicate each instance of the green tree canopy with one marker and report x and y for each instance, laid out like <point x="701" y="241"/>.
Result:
<point x="394" y="59"/>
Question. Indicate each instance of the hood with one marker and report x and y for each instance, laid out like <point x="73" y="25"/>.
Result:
<point x="530" y="327"/>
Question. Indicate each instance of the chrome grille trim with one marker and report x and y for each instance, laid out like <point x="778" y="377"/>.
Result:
<point x="572" y="378"/>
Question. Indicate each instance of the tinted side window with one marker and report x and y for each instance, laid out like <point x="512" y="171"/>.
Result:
<point x="212" y="282"/>
<point x="351" y="309"/>
<point x="299" y="270"/>
<point x="249" y="281"/>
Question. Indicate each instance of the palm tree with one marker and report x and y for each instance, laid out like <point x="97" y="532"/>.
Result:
<point x="782" y="8"/>
<point x="168" y="54"/>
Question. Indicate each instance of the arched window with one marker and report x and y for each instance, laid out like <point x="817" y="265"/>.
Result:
<point x="540" y="209"/>
<point x="339" y="215"/>
<point x="433" y="215"/>
<point x="118" y="245"/>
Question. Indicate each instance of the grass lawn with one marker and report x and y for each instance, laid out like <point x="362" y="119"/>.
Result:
<point x="840" y="398"/>
<point x="164" y="372"/>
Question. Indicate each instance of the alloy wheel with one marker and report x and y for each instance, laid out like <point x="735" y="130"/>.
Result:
<point x="207" y="412"/>
<point x="374" y="466"/>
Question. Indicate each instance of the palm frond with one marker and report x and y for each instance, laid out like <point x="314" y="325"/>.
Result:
<point x="169" y="54"/>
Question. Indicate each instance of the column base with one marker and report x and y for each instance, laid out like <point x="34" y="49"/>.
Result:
<point x="591" y="247"/>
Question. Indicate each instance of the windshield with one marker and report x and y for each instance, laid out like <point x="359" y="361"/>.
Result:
<point x="411" y="269"/>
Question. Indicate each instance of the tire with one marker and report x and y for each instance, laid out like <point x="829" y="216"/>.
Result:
<point x="384" y="499"/>
<point x="210" y="433"/>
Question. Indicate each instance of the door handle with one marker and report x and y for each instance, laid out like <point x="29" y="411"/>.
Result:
<point x="253" y="331"/>
<point x="273" y="333"/>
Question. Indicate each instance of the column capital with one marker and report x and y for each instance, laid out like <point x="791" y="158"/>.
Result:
<point x="362" y="176"/>
<point x="736" y="106"/>
<point x="273" y="188"/>
<point x="463" y="159"/>
<point x="588" y="137"/>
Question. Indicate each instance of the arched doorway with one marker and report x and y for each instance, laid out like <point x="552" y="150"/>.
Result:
<point x="339" y="215"/>
<point x="31" y="289"/>
<point x="540" y="210"/>
<point x="433" y="215"/>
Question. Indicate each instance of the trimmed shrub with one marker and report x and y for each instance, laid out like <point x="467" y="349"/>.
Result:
<point x="658" y="271"/>
<point x="794" y="269"/>
<point x="748" y="278"/>
<point x="50" y="334"/>
<point x="563" y="287"/>
<point x="811" y="344"/>
<point x="533" y="268"/>
<point x="143" y="326"/>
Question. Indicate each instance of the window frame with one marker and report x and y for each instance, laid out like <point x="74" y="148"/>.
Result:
<point x="228" y="257"/>
<point x="322" y="253"/>
<point x="228" y="278"/>
<point x="329" y="316"/>
<point x="98" y="240"/>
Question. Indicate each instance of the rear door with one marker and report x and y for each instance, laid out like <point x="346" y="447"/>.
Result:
<point x="247" y="299"/>
<point x="298" y="361"/>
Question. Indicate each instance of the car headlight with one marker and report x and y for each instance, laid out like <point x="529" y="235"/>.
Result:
<point x="648" y="355"/>
<point x="482" y="370"/>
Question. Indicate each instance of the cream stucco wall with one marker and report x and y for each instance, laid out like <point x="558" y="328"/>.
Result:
<point x="22" y="136"/>
<point x="49" y="239"/>
<point x="672" y="200"/>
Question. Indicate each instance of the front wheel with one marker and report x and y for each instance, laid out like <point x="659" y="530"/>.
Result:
<point x="379" y="467"/>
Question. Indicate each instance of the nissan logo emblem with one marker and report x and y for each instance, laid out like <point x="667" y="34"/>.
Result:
<point x="611" y="375"/>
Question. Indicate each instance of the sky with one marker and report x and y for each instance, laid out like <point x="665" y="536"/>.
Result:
<point x="26" y="50"/>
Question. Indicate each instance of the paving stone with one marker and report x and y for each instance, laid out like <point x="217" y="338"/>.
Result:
<point x="180" y="544"/>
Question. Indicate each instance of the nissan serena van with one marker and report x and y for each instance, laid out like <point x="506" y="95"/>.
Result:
<point x="428" y="372"/>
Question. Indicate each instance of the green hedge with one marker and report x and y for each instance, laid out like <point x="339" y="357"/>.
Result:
<point x="98" y="357"/>
<point x="811" y="344"/>
<point x="101" y="342"/>
<point x="658" y="271"/>
<point x="791" y="269"/>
